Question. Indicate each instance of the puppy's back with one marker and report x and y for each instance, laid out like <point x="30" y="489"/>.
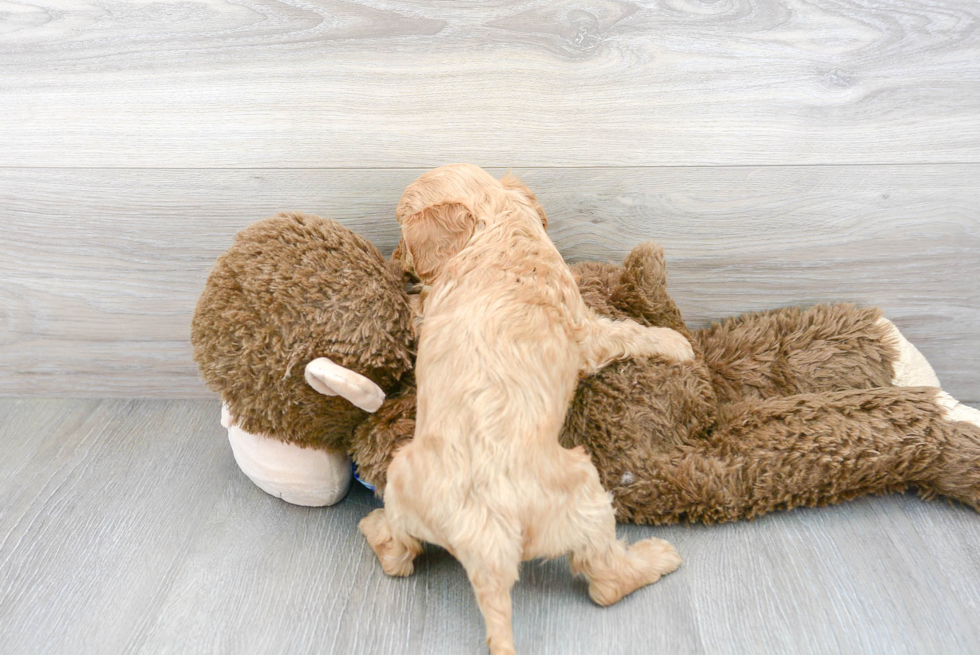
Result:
<point x="497" y="355"/>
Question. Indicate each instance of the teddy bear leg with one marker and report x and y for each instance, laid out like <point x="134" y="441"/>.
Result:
<point x="821" y="348"/>
<point x="910" y="368"/>
<point x="960" y="476"/>
<point x="811" y="449"/>
<point x="300" y="476"/>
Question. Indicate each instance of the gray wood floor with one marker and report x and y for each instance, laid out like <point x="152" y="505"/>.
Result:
<point x="127" y="528"/>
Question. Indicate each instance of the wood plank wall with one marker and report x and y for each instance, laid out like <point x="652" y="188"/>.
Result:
<point x="783" y="151"/>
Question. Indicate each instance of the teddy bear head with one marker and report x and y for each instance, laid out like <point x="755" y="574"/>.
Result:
<point x="291" y="290"/>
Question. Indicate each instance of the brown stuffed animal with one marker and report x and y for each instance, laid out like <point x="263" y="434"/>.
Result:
<point x="779" y="409"/>
<point x="289" y="312"/>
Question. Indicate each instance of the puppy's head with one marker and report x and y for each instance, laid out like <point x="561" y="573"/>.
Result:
<point x="511" y="183"/>
<point x="440" y="211"/>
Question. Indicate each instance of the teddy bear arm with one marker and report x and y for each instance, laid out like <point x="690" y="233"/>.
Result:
<point x="636" y="290"/>
<point x="596" y="282"/>
<point x="377" y="440"/>
<point x="821" y="348"/>
<point x="641" y="289"/>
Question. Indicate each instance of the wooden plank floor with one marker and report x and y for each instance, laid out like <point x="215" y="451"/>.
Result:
<point x="783" y="151"/>
<point x="127" y="528"/>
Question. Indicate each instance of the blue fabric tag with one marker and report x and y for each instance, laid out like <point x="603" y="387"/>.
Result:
<point x="358" y="478"/>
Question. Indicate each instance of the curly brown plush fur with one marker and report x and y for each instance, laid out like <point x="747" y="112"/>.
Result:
<point x="762" y="455"/>
<point x="290" y="289"/>
<point x="780" y="409"/>
<point x="787" y="408"/>
<point x="794" y="350"/>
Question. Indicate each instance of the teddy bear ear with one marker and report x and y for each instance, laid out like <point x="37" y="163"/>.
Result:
<point x="646" y="263"/>
<point x="331" y="379"/>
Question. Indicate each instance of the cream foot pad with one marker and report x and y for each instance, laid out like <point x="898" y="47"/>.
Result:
<point x="957" y="411"/>
<point x="911" y="369"/>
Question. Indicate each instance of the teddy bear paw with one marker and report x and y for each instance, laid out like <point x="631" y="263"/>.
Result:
<point x="954" y="410"/>
<point x="910" y="368"/>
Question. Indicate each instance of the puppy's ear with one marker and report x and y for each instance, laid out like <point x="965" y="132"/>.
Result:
<point x="435" y="234"/>
<point x="511" y="183"/>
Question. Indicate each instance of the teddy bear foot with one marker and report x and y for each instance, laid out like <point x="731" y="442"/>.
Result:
<point x="954" y="410"/>
<point x="301" y="476"/>
<point x="911" y="369"/>
<point x="958" y="476"/>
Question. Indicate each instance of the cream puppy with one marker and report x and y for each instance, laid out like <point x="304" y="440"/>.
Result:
<point x="504" y="340"/>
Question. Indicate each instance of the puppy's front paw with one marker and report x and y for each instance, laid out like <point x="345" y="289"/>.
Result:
<point x="675" y="345"/>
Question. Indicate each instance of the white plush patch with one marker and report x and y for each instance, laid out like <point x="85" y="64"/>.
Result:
<point x="911" y="369"/>
<point x="301" y="476"/>
<point x="954" y="410"/>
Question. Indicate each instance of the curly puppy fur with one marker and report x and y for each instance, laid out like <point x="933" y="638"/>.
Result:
<point x="504" y="339"/>
<point x="259" y="322"/>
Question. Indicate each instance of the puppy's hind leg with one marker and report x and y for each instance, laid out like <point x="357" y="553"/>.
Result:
<point x="606" y="341"/>
<point x="587" y="528"/>
<point x="492" y="566"/>
<point x="396" y="550"/>
<point x="615" y="570"/>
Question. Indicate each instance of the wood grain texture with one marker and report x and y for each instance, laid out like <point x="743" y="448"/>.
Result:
<point x="326" y="83"/>
<point x="128" y="529"/>
<point x="100" y="269"/>
<point x="833" y="574"/>
<point x="97" y="518"/>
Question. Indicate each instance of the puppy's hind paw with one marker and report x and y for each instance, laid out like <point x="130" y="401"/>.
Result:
<point x="641" y="564"/>
<point x="396" y="553"/>
<point x="658" y="556"/>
